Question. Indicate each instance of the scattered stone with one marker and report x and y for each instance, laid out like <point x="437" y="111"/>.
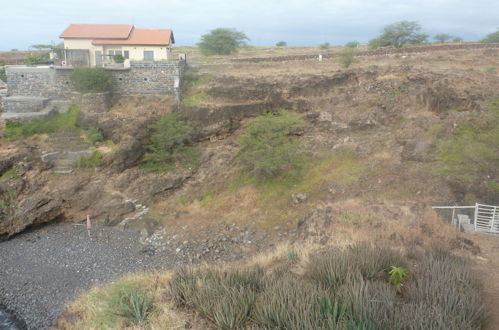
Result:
<point x="299" y="197"/>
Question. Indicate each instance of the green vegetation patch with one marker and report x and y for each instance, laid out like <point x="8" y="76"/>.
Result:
<point x="346" y="56"/>
<point x="91" y="80"/>
<point x="471" y="155"/>
<point x="91" y="161"/>
<point x="361" y="286"/>
<point x="268" y="147"/>
<point x="171" y="143"/>
<point x="195" y="99"/>
<point x="94" y="135"/>
<point x="55" y="123"/>
<point x="125" y="302"/>
<point x="3" y="74"/>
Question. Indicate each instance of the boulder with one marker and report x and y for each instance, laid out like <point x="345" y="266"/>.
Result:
<point x="38" y="208"/>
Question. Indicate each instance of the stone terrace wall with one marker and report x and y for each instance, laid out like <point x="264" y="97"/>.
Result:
<point x="54" y="83"/>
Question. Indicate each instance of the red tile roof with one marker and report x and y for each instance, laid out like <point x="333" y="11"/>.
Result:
<point x="150" y="37"/>
<point x="97" y="31"/>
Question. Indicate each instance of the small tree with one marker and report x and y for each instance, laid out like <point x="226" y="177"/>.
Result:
<point x="222" y="41"/>
<point x="281" y="44"/>
<point x="346" y="57"/>
<point x="91" y="80"/>
<point x="398" y="34"/>
<point x="171" y="143"/>
<point x="442" y="37"/>
<point x="352" y="44"/>
<point x="457" y="39"/>
<point x="324" y="46"/>
<point x="492" y="37"/>
<point x="267" y="147"/>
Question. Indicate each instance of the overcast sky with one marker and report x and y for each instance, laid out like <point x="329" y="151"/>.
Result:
<point x="265" y="22"/>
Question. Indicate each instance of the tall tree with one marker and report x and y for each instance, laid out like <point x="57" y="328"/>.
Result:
<point x="222" y="41"/>
<point x="399" y="34"/>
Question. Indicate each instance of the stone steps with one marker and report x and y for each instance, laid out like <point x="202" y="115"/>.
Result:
<point x="18" y="113"/>
<point x="21" y="104"/>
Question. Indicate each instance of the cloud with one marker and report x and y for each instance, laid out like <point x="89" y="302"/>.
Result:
<point x="299" y="22"/>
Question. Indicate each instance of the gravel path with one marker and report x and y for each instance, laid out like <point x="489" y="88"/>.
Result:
<point x="42" y="269"/>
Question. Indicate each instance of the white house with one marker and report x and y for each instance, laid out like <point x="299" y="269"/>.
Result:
<point x="96" y="44"/>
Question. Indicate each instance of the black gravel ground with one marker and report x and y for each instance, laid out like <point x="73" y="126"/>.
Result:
<point x="44" y="268"/>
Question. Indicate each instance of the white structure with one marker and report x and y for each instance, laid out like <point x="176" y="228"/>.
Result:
<point x="485" y="218"/>
<point x="97" y="44"/>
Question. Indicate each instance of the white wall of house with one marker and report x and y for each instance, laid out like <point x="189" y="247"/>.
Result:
<point x="136" y="53"/>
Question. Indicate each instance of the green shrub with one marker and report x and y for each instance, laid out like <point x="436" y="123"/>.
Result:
<point x="126" y="301"/>
<point x="470" y="156"/>
<point x="134" y="306"/>
<point x="224" y="297"/>
<point x="397" y="277"/>
<point x="491" y="37"/>
<point x="91" y="161"/>
<point x="267" y="147"/>
<point x="330" y="269"/>
<point x="40" y="57"/>
<point x="324" y="46"/>
<point x="371" y="303"/>
<point x="57" y="122"/>
<point x="118" y="58"/>
<point x="446" y="284"/>
<point x="373" y="261"/>
<point x="170" y="144"/>
<point x="3" y="74"/>
<point x="352" y="44"/>
<point x="94" y="135"/>
<point x="346" y="57"/>
<point x="281" y="44"/>
<point x="91" y="80"/>
<point x="335" y="293"/>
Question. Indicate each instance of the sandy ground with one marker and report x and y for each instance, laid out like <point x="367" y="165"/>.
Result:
<point x="487" y="269"/>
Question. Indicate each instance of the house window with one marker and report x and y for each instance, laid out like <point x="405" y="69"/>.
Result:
<point x="111" y="52"/>
<point x="118" y="52"/>
<point x="148" y="55"/>
<point x="126" y="54"/>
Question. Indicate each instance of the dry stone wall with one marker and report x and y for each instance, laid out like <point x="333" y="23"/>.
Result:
<point x="54" y="83"/>
<point x="374" y="52"/>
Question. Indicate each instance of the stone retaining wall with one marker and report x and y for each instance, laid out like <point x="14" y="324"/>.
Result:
<point x="54" y="82"/>
<point x="94" y="102"/>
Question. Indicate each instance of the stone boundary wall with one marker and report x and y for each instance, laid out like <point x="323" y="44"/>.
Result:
<point x="374" y="52"/>
<point x="54" y="83"/>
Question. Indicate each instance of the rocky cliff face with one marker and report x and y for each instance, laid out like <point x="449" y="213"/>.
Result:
<point x="392" y="115"/>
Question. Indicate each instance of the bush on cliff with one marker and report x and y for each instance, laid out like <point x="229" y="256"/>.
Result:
<point x="268" y="147"/>
<point x="91" y="80"/>
<point x="171" y="144"/>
